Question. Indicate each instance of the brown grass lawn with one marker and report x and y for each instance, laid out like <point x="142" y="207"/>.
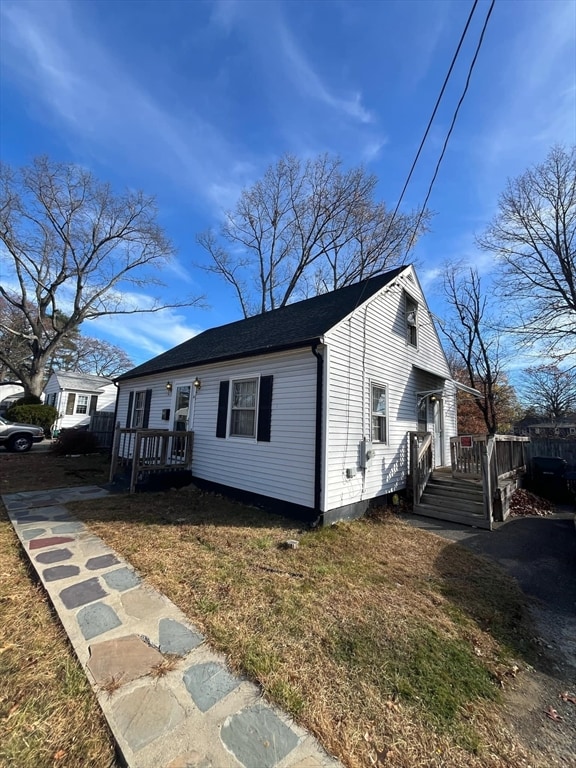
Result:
<point x="390" y="644"/>
<point x="48" y="714"/>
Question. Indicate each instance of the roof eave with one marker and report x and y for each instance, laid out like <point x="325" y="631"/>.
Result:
<point x="223" y="359"/>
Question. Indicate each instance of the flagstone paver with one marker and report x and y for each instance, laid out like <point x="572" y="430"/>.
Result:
<point x="50" y="541"/>
<point x="257" y="737"/>
<point x="174" y="637"/>
<point x="126" y="659"/>
<point x="97" y="619"/>
<point x="84" y="592"/>
<point x="208" y="683"/>
<point x="102" y="561"/>
<point x="146" y="714"/>
<point x="122" y="579"/>
<point x="53" y="556"/>
<point x="32" y="533"/>
<point x="174" y="702"/>
<point x="60" y="572"/>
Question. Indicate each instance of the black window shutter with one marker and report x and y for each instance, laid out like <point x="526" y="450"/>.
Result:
<point x="70" y="404"/>
<point x="265" y="409"/>
<point x="222" y="409"/>
<point x="93" y="403"/>
<point x="129" y="414"/>
<point x="147" y="401"/>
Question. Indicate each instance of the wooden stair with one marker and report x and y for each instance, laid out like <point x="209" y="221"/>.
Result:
<point x="453" y="499"/>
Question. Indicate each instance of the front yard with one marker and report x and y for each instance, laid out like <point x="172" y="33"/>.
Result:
<point x="393" y="646"/>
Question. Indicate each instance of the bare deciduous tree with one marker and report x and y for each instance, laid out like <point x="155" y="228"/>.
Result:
<point x="86" y="354"/>
<point x="534" y="237"/>
<point x="306" y="228"/>
<point x="550" y="391"/>
<point x="70" y="246"/>
<point x="474" y="344"/>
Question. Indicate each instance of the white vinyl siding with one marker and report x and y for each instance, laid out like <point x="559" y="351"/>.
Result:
<point x="282" y="468"/>
<point x="370" y="347"/>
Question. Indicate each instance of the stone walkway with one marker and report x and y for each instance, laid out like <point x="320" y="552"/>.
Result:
<point x="169" y="700"/>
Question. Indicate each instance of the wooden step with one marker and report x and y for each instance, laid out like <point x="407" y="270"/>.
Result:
<point x="438" y="513"/>
<point x="449" y="491"/>
<point x="465" y="506"/>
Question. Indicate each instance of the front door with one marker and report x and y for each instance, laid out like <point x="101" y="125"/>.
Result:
<point x="438" y="433"/>
<point x="181" y="408"/>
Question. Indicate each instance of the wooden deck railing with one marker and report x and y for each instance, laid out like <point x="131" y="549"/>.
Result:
<point x="420" y="462"/>
<point x="491" y="458"/>
<point x="149" y="450"/>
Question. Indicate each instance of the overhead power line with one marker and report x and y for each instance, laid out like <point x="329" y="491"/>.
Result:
<point x="452" y="124"/>
<point x="433" y="115"/>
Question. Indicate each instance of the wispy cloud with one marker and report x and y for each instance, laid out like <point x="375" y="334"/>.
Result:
<point x="86" y="89"/>
<point x="145" y="335"/>
<point x="310" y="83"/>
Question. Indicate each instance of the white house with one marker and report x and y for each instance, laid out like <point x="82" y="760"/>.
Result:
<point x="77" y="395"/>
<point x="307" y="408"/>
<point x="10" y="392"/>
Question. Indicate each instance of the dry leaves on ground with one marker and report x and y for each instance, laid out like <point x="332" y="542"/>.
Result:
<point x="523" y="503"/>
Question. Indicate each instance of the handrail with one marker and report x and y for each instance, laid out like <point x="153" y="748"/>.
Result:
<point x="150" y="450"/>
<point x="420" y="462"/>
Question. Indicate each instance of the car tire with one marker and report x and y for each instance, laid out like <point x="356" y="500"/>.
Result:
<point x="20" y="443"/>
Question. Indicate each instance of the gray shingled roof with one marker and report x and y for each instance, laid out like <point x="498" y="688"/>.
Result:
<point x="292" y="326"/>
<point x="86" y="382"/>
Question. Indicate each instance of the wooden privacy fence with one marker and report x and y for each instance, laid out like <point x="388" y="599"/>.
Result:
<point x="142" y="451"/>
<point x="554" y="447"/>
<point x="102" y="426"/>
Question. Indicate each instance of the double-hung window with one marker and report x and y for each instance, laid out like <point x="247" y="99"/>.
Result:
<point x="82" y="404"/>
<point x="379" y="414"/>
<point x="243" y="408"/>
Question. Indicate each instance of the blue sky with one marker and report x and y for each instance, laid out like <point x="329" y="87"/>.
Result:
<point x="191" y="101"/>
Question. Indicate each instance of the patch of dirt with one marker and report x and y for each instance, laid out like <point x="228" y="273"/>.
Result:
<point x="40" y="469"/>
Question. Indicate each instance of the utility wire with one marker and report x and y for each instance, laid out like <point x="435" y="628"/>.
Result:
<point x="452" y="124"/>
<point x="426" y="132"/>
<point x="438" y="100"/>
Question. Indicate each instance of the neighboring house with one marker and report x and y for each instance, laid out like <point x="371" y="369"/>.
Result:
<point x="76" y="396"/>
<point x="547" y="429"/>
<point x="10" y="392"/>
<point x="306" y="408"/>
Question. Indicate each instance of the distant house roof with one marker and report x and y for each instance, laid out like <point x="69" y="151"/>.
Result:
<point x="81" y="382"/>
<point x="292" y="326"/>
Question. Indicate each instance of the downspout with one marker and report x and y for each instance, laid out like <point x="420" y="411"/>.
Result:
<point x="115" y="405"/>
<point x="318" y="441"/>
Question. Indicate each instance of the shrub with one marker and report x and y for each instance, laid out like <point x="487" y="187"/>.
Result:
<point x="75" y="441"/>
<point x="41" y="415"/>
<point x="28" y="400"/>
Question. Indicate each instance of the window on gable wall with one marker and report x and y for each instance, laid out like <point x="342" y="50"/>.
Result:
<point x="411" y="320"/>
<point x="379" y="414"/>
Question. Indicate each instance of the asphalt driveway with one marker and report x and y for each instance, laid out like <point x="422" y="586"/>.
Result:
<point x="540" y="552"/>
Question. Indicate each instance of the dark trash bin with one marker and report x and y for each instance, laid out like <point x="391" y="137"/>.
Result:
<point x="548" y="476"/>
